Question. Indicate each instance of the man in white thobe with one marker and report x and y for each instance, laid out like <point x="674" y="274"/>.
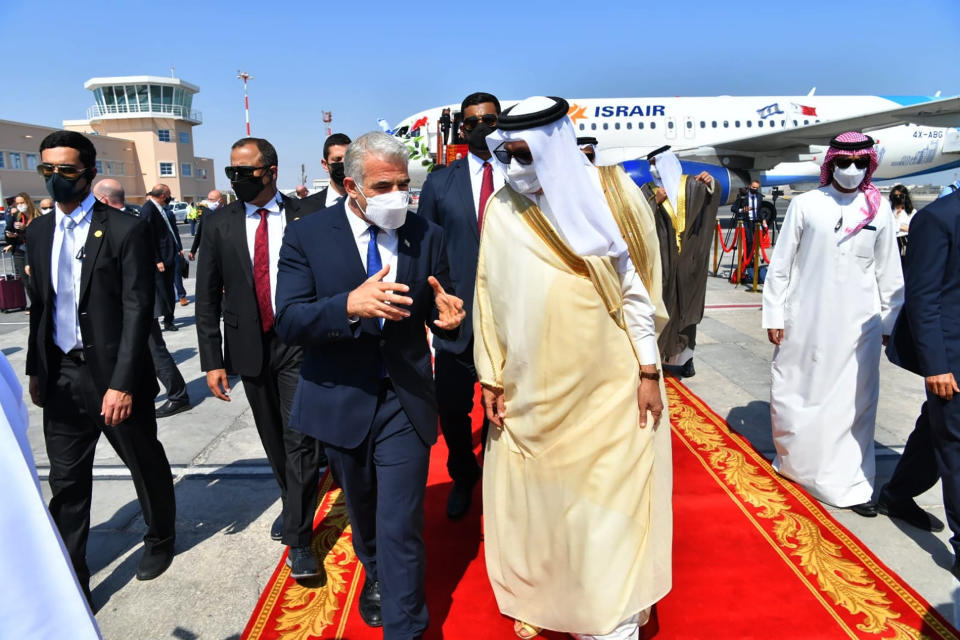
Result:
<point x="830" y="300"/>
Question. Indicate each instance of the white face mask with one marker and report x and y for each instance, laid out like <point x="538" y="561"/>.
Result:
<point x="387" y="210"/>
<point x="22" y="208"/>
<point x="212" y="206"/>
<point x="45" y="211"/>
<point x="522" y="177"/>
<point x="849" y="178"/>
<point x="654" y="173"/>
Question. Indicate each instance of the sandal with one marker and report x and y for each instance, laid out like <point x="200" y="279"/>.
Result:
<point x="525" y="630"/>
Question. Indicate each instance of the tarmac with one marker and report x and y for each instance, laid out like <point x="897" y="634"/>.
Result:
<point x="227" y="497"/>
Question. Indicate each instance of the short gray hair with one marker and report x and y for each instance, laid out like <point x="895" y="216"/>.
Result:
<point x="374" y="143"/>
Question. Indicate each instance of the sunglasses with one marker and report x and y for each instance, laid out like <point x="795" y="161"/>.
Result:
<point x="68" y="171"/>
<point x="489" y="119"/>
<point x="235" y="173"/>
<point x="504" y="155"/>
<point x="862" y="162"/>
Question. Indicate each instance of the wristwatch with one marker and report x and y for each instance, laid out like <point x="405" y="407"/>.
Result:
<point x="655" y="376"/>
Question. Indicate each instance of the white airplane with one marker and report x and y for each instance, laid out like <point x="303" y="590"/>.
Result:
<point x="777" y="140"/>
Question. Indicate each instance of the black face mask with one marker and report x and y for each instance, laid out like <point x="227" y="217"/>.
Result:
<point x="477" y="139"/>
<point x="896" y="199"/>
<point x="754" y="191"/>
<point x="63" y="190"/>
<point x="336" y="173"/>
<point x="248" y="190"/>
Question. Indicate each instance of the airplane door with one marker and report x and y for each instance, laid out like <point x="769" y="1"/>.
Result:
<point x="671" y="128"/>
<point x="689" y="128"/>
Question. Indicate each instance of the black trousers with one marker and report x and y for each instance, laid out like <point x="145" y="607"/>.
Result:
<point x="293" y="456"/>
<point x="71" y="427"/>
<point x="932" y="452"/>
<point x="167" y="372"/>
<point x="384" y="481"/>
<point x="456" y="377"/>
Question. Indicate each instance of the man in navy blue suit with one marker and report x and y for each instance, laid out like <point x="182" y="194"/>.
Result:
<point x="454" y="198"/>
<point x="357" y="284"/>
<point x="926" y="340"/>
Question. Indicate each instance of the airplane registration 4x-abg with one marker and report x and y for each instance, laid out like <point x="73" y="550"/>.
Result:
<point x="777" y="140"/>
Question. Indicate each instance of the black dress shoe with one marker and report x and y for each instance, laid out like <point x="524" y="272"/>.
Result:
<point x="369" y="603"/>
<point x="154" y="562"/>
<point x="865" y="509"/>
<point x="910" y="512"/>
<point x="687" y="370"/>
<point x="171" y="407"/>
<point x="276" y="529"/>
<point x="303" y="564"/>
<point x="170" y="327"/>
<point x="460" y="498"/>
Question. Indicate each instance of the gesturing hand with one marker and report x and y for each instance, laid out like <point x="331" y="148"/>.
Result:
<point x="449" y="306"/>
<point x="370" y="300"/>
<point x="494" y="405"/>
<point x="116" y="407"/>
<point x="704" y="177"/>
<point x="943" y="385"/>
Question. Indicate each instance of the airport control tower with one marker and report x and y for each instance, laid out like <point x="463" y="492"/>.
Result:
<point x="156" y="114"/>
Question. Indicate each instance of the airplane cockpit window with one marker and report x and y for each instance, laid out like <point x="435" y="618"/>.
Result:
<point x="403" y="132"/>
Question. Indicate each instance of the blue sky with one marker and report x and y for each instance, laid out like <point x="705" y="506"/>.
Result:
<point x="368" y="60"/>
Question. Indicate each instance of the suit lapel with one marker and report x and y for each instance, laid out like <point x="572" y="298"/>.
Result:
<point x="466" y="194"/>
<point x="237" y="237"/>
<point x="404" y="255"/>
<point x="342" y="236"/>
<point x="47" y="245"/>
<point x="91" y="248"/>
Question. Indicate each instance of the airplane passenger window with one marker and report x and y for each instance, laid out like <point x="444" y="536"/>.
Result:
<point x="689" y="125"/>
<point x="582" y="126"/>
<point x="714" y="124"/>
<point x="670" y="124"/>
<point x="593" y="126"/>
<point x="760" y="123"/>
<point x="616" y="125"/>
<point x="639" y="125"/>
<point x="750" y="123"/>
<point x="726" y="123"/>
<point x="703" y="125"/>
<point x="772" y="123"/>
<point x="736" y="123"/>
<point x="653" y="125"/>
<point x="783" y="123"/>
<point x="606" y="125"/>
<point x="794" y="123"/>
<point x="629" y="125"/>
<point x="806" y="122"/>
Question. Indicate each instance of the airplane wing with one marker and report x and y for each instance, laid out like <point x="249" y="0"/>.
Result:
<point x="936" y="113"/>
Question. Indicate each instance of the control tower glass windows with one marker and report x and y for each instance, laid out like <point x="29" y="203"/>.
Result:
<point x="143" y="97"/>
<point x="155" y="99"/>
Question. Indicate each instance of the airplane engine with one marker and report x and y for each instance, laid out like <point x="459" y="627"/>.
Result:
<point x="730" y="180"/>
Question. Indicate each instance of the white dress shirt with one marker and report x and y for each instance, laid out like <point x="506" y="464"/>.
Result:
<point x="332" y="197"/>
<point x="475" y="164"/>
<point x="81" y="216"/>
<point x="276" y="223"/>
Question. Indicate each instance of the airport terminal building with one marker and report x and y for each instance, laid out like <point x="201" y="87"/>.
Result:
<point x="142" y="127"/>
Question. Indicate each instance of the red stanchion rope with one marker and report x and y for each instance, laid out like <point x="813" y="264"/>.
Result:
<point x="733" y="245"/>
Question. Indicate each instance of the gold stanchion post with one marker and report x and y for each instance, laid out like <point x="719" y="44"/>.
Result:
<point x="756" y="258"/>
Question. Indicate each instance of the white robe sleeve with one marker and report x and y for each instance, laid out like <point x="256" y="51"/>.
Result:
<point x="781" y="263"/>
<point x="638" y="312"/>
<point x="888" y="268"/>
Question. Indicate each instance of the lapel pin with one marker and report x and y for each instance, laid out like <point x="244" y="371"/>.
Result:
<point x="97" y="233"/>
<point x="297" y="218"/>
<point x="406" y="242"/>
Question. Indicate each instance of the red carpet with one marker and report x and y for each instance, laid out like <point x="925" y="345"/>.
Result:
<point x="754" y="557"/>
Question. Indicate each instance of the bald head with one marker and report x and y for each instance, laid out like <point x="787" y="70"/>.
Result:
<point x="215" y="196"/>
<point x="110" y="192"/>
<point x="161" y="193"/>
<point x="302" y="191"/>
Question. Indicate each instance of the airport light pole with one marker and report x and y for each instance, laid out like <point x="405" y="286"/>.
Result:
<point x="243" y="75"/>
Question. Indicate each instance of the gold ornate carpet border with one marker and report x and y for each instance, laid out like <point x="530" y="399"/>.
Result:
<point x="865" y="597"/>
<point x="288" y="610"/>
